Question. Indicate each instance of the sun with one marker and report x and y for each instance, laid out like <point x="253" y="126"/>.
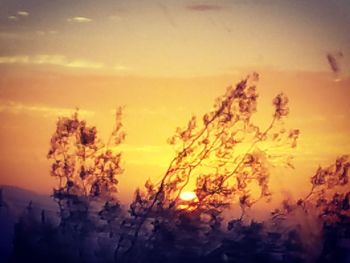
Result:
<point x="188" y="196"/>
<point x="188" y="201"/>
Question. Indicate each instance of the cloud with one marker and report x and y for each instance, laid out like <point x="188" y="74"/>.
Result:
<point x="204" y="7"/>
<point x="20" y="108"/>
<point x="23" y="13"/>
<point x="57" y="60"/>
<point x="18" y="15"/>
<point x="14" y="59"/>
<point x="12" y="18"/>
<point x="61" y="60"/>
<point x="79" y="19"/>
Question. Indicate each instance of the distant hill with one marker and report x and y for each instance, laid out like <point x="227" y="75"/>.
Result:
<point x="18" y="199"/>
<point x="13" y="202"/>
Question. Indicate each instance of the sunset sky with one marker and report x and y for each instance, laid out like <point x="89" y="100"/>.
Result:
<point x="164" y="61"/>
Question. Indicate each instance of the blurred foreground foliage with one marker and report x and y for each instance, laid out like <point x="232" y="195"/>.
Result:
<point x="228" y="156"/>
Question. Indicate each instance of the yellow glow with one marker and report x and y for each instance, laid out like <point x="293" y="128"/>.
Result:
<point x="188" y="196"/>
<point x="31" y="101"/>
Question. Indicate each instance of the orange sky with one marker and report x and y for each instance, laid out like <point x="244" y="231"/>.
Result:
<point x="165" y="61"/>
<point x="154" y="107"/>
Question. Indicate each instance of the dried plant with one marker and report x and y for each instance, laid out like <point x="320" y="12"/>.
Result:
<point x="84" y="166"/>
<point x="87" y="171"/>
<point x="226" y="158"/>
<point x="226" y="153"/>
<point x="329" y="194"/>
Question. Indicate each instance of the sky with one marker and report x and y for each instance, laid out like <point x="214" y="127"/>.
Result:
<point x="164" y="61"/>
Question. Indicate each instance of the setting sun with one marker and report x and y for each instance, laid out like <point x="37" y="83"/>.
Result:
<point x="174" y="131"/>
<point x="188" y="196"/>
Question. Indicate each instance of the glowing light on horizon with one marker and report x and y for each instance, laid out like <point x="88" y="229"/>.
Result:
<point x="188" y="196"/>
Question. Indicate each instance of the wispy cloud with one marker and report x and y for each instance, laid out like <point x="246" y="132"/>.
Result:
<point x="18" y="15"/>
<point x="14" y="59"/>
<point x="12" y="18"/>
<point x="14" y="107"/>
<point x="204" y="7"/>
<point x="22" y="13"/>
<point x="79" y="19"/>
<point x="62" y="61"/>
<point x="57" y="60"/>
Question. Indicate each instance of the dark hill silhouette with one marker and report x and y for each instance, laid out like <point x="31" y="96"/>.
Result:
<point x="18" y="199"/>
<point x="13" y="202"/>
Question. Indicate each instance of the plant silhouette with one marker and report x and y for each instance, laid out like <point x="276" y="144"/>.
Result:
<point x="226" y="158"/>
